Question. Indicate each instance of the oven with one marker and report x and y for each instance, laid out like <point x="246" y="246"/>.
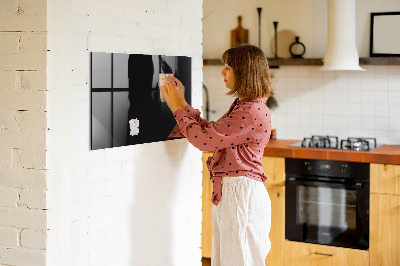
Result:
<point x="327" y="202"/>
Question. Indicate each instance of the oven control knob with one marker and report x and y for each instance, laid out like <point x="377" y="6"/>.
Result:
<point x="308" y="166"/>
<point x="343" y="168"/>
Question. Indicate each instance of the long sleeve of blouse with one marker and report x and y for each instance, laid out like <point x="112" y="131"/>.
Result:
<point x="195" y="114"/>
<point x="238" y="139"/>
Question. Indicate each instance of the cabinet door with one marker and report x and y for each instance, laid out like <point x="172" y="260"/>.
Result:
<point x="304" y="254"/>
<point x="274" y="168"/>
<point x="385" y="178"/>
<point x="384" y="230"/>
<point x="277" y="233"/>
<point x="206" y="232"/>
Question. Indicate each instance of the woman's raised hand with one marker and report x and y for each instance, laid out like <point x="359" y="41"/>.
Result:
<point x="172" y="95"/>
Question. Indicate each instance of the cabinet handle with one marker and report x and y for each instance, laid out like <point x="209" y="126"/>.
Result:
<point x="324" y="254"/>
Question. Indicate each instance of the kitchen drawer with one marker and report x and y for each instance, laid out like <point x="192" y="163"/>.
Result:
<point x="305" y="254"/>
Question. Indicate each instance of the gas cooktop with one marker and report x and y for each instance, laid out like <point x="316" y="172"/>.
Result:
<point x="332" y="142"/>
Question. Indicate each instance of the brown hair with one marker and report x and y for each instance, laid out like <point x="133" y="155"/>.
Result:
<point x="250" y="66"/>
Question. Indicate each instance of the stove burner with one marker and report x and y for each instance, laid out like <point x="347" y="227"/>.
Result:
<point x="332" y="142"/>
<point x="329" y="142"/>
<point x="358" y="144"/>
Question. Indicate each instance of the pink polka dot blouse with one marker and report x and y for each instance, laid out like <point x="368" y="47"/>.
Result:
<point x="238" y="139"/>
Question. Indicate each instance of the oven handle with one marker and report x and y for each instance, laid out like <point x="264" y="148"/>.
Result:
<point x="357" y="185"/>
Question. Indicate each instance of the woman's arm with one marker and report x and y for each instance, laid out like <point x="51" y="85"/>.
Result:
<point x="195" y="114"/>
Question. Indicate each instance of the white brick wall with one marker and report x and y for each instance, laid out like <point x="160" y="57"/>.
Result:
<point x="23" y="132"/>
<point x="134" y="205"/>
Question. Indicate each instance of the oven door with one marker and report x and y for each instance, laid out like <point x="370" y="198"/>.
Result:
<point x="327" y="213"/>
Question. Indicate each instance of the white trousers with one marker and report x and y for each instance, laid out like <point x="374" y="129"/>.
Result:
<point x="241" y="223"/>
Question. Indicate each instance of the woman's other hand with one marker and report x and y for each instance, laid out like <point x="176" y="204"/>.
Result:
<point x="181" y="91"/>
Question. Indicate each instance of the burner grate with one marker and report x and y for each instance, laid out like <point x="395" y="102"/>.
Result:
<point x="358" y="144"/>
<point x="327" y="142"/>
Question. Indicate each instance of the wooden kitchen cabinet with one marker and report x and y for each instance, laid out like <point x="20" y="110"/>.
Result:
<point x="384" y="236"/>
<point x="277" y="233"/>
<point x="385" y="178"/>
<point x="305" y="254"/>
<point x="385" y="215"/>
<point x="274" y="168"/>
<point x="206" y="232"/>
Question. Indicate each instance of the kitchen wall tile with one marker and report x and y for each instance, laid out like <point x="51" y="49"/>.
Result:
<point x="328" y="74"/>
<point x="342" y="133"/>
<point x="354" y="122"/>
<point x="329" y="122"/>
<point x="316" y="82"/>
<point x="303" y="82"/>
<point x="367" y="133"/>
<point x="317" y="108"/>
<point x="317" y="131"/>
<point x="355" y="96"/>
<point x="367" y="110"/>
<point x="381" y="97"/>
<point x="355" y="132"/>
<point x="367" y="96"/>
<point x="355" y="109"/>
<point x="342" y="96"/>
<point x="342" y="80"/>
<point x="394" y="137"/>
<point x="291" y="71"/>
<point x="317" y="120"/>
<point x="367" y="122"/>
<point x="278" y="83"/>
<point x="394" y="97"/>
<point x="381" y="84"/>
<point x="381" y="136"/>
<point x="381" y="123"/>
<point x="304" y="72"/>
<point x="394" y="110"/>
<point x="329" y="109"/>
<point x="394" y="82"/>
<point x="394" y="123"/>
<point x="342" y="109"/>
<point x="367" y="82"/>
<point x="342" y="122"/>
<point x="393" y="71"/>
<point x="292" y="82"/>
<point x="380" y="71"/>
<point x="381" y="110"/>
<point x="315" y="72"/>
<point x="329" y="93"/>
<point x="317" y="95"/>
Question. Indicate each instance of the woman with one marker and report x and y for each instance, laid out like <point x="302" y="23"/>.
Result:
<point x="241" y="213"/>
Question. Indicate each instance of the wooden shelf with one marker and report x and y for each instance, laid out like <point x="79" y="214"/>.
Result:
<point x="380" y="61"/>
<point x="273" y="63"/>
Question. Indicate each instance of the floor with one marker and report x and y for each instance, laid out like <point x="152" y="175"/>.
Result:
<point x="206" y="261"/>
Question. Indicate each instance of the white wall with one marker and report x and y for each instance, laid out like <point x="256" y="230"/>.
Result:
<point x="23" y="133"/>
<point x="134" y="205"/>
<point x="311" y="102"/>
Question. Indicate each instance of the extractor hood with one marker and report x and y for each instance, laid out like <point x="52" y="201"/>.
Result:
<point x="341" y="51"/>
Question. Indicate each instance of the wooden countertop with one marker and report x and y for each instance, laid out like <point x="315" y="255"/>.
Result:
<point x="389" y="154"/>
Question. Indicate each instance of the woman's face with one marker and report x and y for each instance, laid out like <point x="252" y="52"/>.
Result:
<point x="229" y="76"/>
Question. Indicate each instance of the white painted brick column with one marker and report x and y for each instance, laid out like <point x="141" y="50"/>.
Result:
<point x="23" y="128"/>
